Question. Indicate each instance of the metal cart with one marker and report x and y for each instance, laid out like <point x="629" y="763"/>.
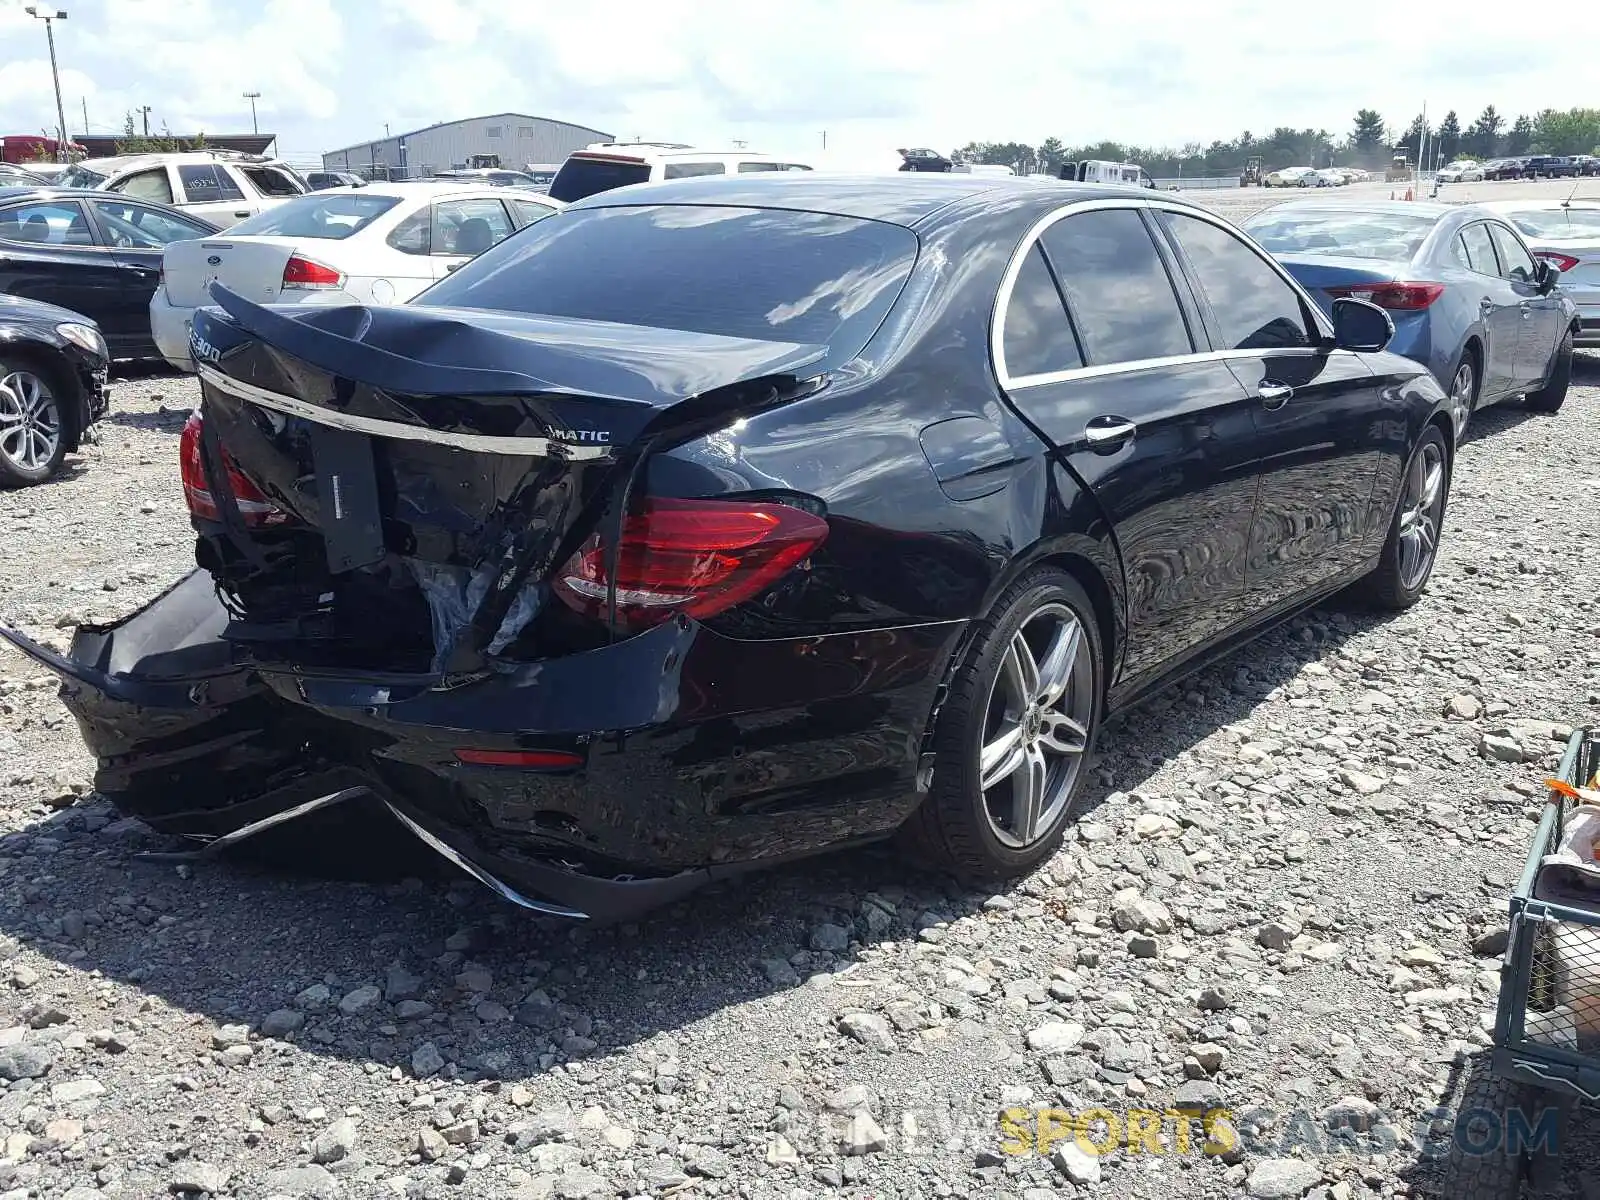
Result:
<point x="1512" y="1124"/>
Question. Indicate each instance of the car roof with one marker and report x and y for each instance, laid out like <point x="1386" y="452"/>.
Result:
<point x="130" y="162"/>
<point x="1421" y="208"/>
<point x="434" y="187"/>
<point x="900" y="198"/>
<point x="1534" y="205"/>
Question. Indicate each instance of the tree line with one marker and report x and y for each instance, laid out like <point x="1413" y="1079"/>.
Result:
<point x="1369" y="144"/>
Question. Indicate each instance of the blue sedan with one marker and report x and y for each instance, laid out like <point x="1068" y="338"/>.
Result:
<point x="1467" y="298"/>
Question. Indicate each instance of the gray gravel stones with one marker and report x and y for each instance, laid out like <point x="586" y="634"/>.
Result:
<point x="1241" y="921"/>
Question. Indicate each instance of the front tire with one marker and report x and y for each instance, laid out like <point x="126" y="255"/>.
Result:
<point x="1553" y="394"/>
<point x="1412" y="547"/>
<point x="1013" y="740"/>
<point x="32" y="424"/>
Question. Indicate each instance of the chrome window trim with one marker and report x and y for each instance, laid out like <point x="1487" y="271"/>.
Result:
<point x="533" y="447"/>
<point x="1008" y="283"/>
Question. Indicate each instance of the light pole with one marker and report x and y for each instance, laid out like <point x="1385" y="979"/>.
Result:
<point x="48" y="17"/>
<point x="253" y="97"/>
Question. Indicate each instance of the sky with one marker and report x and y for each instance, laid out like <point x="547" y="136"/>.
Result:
<point x="874" y="74"/>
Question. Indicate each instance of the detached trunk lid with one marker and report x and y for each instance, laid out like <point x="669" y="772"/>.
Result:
<point x="252" y="267"/>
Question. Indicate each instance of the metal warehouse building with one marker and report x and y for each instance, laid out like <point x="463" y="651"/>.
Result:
<point x="516" y="137"/>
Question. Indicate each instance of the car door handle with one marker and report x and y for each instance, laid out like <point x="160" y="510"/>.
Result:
<point x="453" y="267"/>
<point x="1274" y="395"/>
<point x="1107" y="433"/>
<point x="242" y="215"/>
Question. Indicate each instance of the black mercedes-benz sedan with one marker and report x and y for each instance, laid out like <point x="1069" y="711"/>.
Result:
<point x="53" y="367"/>
<point x="718" y="522"/>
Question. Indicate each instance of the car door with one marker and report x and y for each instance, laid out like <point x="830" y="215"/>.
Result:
<point x="49" y="252"/>
<point x="1099" y="353"/>
<point x="1316" y="410"/>
<point x="137" y="235"/>
<point x="1542" y="318"/>
<point x="464" y="229"/>
<point x="210" y="191"/>
<point x="1499" y="310"/>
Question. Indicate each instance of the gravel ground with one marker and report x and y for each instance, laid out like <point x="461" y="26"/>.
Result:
<point x="1271" y="905"/>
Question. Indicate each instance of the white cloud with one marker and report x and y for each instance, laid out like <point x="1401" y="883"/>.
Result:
<point x="873" y="75"/>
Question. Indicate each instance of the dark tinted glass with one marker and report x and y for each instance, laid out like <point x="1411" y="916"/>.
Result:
<point x="580" y="177"/>
<point x="1038" y="338"/>
<point x="208" y="183"/>
<point x="1255" y="309"/>
<point x="1480" y="251"/>
<point x="783" y="276"/>
<point x="1117" y="287"/>
<point x="1516" y="263"/>
<point x="689" y="170"/>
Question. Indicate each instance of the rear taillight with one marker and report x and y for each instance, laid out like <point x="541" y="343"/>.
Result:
<point x="1561" y="262"/>
<point x="1398" y="297"/>
<point x="254" y="507"/>
<point x="522" y="760"/>
<point x="304" y="273"/>
<point x="694" y="557"/>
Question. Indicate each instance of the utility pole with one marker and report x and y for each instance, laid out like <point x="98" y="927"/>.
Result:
<point x="824" y="139"/>
<point x="145" y="112"/>
<point x="253" y="97"/>
<point x="85" y="101"/>
<point x="49" y="18"/>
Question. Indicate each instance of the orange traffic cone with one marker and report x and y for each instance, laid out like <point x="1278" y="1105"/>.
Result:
<point x="1409" y="196"/>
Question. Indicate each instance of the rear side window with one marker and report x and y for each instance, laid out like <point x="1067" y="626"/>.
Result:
<point x="1480" y="251"/>
<point x="1117" y="287"/>
<point x="1253" y="306"/>
<point x="582" y="177"/>
<point x="751" y="168"/>
<point x="810" y="278"/>
<point x="270" y="181"/>
<point x="1037" y="338"/>
<point x="145" y="185"/>
<point x="1516" y="263"/>
<point x="203" y="183"/>
<point x="690" y="170"/>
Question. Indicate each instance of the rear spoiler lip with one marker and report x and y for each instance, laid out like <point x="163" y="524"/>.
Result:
<point x="532" y="447"/>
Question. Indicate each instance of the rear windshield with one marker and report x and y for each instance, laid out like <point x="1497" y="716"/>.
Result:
<point x="1559" y="223"/>
<point x="79" y="176"/>
<point x="581" y="177"/>
<point x="811" y="278"/>
<point x="1345" y="232"/>
<point x="318" y="215"/>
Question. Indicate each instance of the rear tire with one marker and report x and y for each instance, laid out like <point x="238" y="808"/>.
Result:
<point x="1465" y="383"/>
<point x="1027" y="695"/>
<point x="1412" y="547"/>
<point x="1553" y="394"/>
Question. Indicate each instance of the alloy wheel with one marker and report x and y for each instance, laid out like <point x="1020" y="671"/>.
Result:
<point x="1420" y="512"/>
<point x="1036" y="726"/>
<point x="30" y="421"/>
<point x="1461" y="398"/>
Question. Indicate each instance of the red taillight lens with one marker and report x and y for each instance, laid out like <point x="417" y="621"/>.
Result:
<point x="527" y="760"/>
<point x="304" y="273"/>
<point x="695" y="557"/>
<point x="254" y="507"/>
<point x="1398" y="297"/>
<point x="1561" y="262"/>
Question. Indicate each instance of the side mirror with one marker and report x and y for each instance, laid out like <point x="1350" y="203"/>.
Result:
<point x="1360" y="325"/>
<point x="1545" y="274"/>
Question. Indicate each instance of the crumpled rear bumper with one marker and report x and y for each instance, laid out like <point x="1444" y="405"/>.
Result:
<point x="681" y="756"/>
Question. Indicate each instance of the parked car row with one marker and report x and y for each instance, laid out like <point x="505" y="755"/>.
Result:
<point x="1542" y="166"/>
<point x="1315" y="177"/>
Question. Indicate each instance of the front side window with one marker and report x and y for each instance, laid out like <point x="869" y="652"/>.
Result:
<point x="753" y="168"/>
<point x="1480" y="250"/>
<point x="134" y="226"/>
<point x="1037" y="337"/>
<point x="1254" y="307"/>
<point x="46" y="223"/>
<point x="1117" y="287"/>
<point x="1516" y="264"/>
<point x="207" y="183"/>
<point x="270" y="181"/>
<point x="146" y="185"/>
<point x="799" y="277"/>
<point x="690" y="170"/>
<point x="469" y="227"/>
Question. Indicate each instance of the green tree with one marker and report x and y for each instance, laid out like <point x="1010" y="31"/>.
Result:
<point x="1449" y="137"/>
<point x="1520" y="139"/>
<point x="1366" y="142"/>
<point x="1051" y="154"/>
<point x="1573" y="131"/>
<point x="1483" y="135"/>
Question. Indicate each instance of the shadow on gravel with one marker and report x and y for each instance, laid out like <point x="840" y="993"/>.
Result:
<point x="166" y="421"/>
<point x="495" y="992"/>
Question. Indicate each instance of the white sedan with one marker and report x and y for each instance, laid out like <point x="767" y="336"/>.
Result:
<point x="1292" y="177"/>
<point x="380" y="244"/>
<point x="1461" y="171"/>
